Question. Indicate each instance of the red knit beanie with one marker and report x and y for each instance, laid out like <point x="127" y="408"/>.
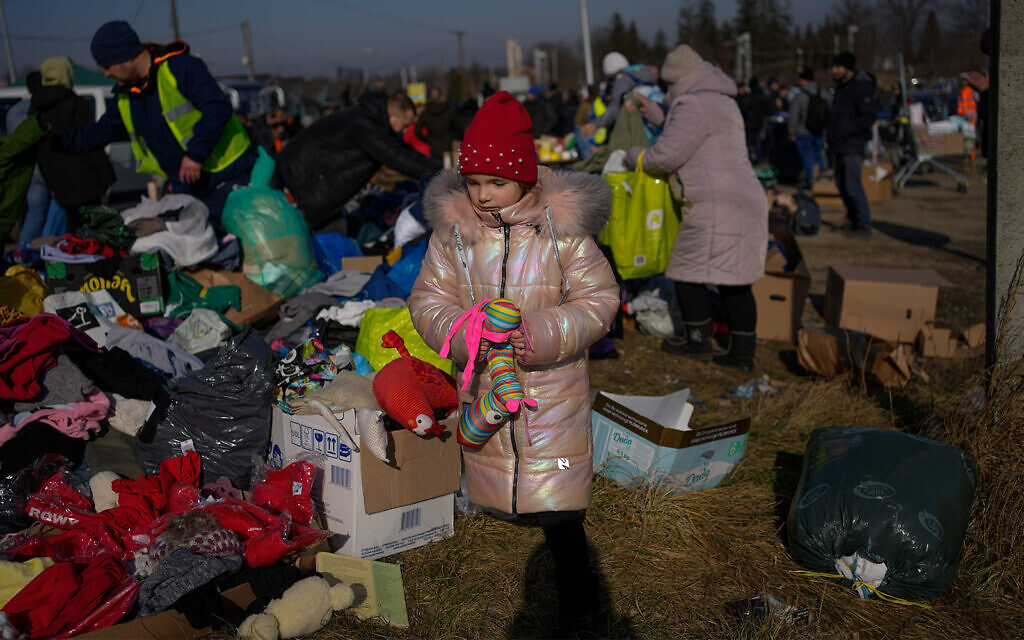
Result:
<point x="499" y="141"/>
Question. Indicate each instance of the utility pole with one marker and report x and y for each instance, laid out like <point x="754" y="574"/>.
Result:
<point x="7" y="43"/>
<point x="851" y="32"/>
<point x="462" y="51"/>
<point x="799" y="60"/>
<point x="174" y="21"/>
<point x="1005" y="251"/>
<point x="587" y="57"/>
<point x="247" y="34"/>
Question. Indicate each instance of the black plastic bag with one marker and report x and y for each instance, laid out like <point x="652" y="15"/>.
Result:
<point x="876" y="497"/>
<point x="224" y="409"/>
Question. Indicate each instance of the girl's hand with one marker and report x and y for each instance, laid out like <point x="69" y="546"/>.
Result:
<point x="485" y="346"/>
<point x="518" y="342"/>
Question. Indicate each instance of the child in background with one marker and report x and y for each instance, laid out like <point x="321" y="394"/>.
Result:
<point x="504" y="229"/>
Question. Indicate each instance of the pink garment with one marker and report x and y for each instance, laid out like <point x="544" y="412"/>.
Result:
<point x="75" y="419"/>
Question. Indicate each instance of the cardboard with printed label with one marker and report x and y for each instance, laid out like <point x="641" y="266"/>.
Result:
<point x="376" y="509"/>
<point x="888" y="303"/>
<point x="782" y="293"/>
<point x="640" y="440"/>
<point x="134" y="281"/>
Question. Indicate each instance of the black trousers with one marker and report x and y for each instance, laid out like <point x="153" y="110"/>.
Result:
<point x="574" y="579"/>
<point x="738" y="300"/>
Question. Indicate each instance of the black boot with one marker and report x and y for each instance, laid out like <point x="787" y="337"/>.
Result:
<point x="695" y="344"/>
<point x="741" y="351"/>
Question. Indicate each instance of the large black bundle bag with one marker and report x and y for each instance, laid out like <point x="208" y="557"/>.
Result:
<point x="883" y="508"/>
<point x="224" y="409"/>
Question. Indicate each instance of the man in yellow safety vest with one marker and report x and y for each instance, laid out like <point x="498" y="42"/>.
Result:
<point x="179" y="122"/>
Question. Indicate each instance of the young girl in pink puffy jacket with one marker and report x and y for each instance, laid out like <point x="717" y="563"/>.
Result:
<point x="502" y="228"/>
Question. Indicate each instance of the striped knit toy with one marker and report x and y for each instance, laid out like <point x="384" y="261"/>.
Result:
<point x="493" y="319"/>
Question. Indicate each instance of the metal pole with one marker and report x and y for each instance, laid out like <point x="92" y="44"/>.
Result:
<point x="587" y="56"/>
<point x="462" y="51"/>
<point x="7" y="43"/>
<point x="174" y="21"/>
<point x="247" y="33"/>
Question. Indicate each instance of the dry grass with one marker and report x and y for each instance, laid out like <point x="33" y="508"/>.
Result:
<point x="668" y="563"/>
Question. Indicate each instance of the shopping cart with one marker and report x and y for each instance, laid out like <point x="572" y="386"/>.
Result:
<point x="921" y="150"/>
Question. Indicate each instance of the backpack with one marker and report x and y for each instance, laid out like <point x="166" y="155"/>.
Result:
<point x="817" y="114"/>
<point x="806" y="220"/>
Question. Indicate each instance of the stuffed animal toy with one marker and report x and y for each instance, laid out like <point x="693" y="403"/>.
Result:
<point x="303" y="609"/>
<point x="411" y="390"/>
<point x="493" y="319"/>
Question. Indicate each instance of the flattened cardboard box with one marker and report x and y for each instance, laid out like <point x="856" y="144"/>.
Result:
<point x="888" y="303"/>
<point x="782" y="293"/>
<point x="377" y="509"/>
<point x="135" y="282"/>
<point x="635" y="444"/>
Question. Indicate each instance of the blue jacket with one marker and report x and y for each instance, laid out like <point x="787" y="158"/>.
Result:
<point x="196" y="84"/>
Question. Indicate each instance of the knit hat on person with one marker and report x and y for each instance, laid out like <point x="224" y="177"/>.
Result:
<point x="679" y="62"/>
<point x="499" y="141"/>
<point x="57" y="71"/>
<point x="115" y="42"/>
<point x="613" y="63"/>
<point x="846" y="60"/>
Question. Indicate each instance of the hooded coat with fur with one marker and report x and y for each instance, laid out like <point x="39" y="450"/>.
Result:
<point x="723" y="237"/>
<point x="545" y="462"/>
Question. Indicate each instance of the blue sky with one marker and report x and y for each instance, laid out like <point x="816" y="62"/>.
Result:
<point x="308" y="37"/>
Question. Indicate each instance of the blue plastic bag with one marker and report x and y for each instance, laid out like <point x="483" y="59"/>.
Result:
<point x="330" y="248"/>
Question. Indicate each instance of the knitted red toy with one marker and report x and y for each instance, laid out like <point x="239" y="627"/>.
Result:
<point x="411" y="390"/>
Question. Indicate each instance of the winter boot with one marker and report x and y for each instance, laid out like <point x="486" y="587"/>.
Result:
<point x="741" y="351"/>
<point x="695" y="344"/>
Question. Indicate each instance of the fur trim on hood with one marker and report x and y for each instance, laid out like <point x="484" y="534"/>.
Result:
<point x="580" y="204"/>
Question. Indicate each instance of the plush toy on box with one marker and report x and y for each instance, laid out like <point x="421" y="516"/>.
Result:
<point x="494" y="320"/>
<point x="303" y="609"/>
<point x="411" y="390"/>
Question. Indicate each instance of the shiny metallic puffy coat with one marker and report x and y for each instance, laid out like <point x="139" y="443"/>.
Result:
<point x="541" y="255"/>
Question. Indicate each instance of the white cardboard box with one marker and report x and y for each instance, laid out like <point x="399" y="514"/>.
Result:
<point x="377" y="509"/>
<point x="640" y="440"/>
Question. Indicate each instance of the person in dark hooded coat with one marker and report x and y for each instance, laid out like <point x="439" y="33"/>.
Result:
<point x="328" y="162"/>
<point x="74" y="180"/>
<point x="438" y="124"/>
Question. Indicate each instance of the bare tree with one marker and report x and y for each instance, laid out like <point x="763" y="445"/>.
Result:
<point x="906" y="15"/>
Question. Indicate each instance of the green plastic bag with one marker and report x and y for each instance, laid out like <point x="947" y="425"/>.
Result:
<point x="377" y="322"/>
<point x="643" y="224"/>
<point x="275" y="239"/>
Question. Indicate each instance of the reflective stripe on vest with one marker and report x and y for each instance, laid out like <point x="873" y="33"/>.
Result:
<point x="181" y="116"/>
<point x="601" y="135"/>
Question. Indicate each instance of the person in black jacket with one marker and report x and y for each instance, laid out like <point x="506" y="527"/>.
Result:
<point x="74" y="180"/>
<point x="438" y="124"/>
<point x="751" y="101"/>
<point x="327" y="163"/>
<point x="853" y="112"/>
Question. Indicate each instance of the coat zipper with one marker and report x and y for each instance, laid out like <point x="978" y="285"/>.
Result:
<point x="512" y="420"/>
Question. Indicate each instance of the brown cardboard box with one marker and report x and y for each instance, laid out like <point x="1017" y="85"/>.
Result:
<point x="936" y="342"/>
<point x="259" y="305"/>
<point x="361" y="263"/>
<point x="947" y="145"/>
<point x="781" y="294"/>
<point x="877" y="181"/>
<point x="830" y="351"/>
<point x="876" y="178"/>
<point x="888" y="303"/>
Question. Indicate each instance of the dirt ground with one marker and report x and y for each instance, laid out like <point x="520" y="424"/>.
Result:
<point x="929" y="224"/>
